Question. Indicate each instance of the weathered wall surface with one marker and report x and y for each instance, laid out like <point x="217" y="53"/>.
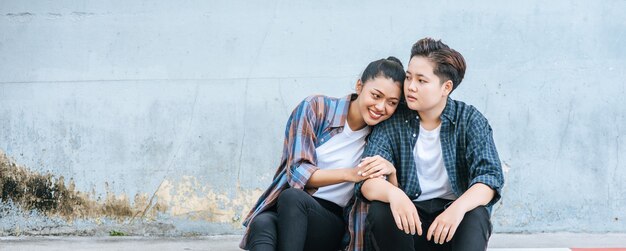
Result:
<point x="166" y="118"/>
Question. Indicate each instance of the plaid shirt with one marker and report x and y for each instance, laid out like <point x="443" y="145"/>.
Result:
<point x="469" y="154"/>
<point x="312" y="123"/>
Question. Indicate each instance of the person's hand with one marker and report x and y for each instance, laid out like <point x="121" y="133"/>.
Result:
<point x="404" y="212"/>
<point x="445" y="225"/>
<point x="376" y="166"/>
<point x="354" y="175"/>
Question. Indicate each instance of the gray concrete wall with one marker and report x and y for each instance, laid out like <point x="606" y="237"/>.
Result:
<point x="166" y="117"/>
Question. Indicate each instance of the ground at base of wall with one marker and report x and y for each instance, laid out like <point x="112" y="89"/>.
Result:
<point x="498" y="242"/>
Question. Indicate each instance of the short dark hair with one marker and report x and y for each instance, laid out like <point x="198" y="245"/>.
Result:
<point x="390" y="67"/>
<point x="448" y="63"/>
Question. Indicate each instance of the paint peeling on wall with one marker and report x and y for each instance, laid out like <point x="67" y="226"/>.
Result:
<point x="50" y="195"/>
<point x="186" y="198"/>
<point x="193" y="200"/>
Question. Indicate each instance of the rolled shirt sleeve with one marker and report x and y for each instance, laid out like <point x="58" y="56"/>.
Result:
<point x="484" y="164"/>
<point x="300" y="144"/>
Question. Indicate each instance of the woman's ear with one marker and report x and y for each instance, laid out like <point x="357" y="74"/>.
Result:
<point x="447" y="87"/>
<point x="358" y="87"/>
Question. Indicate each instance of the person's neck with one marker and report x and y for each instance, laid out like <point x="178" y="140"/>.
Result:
<point x="431" y="119"/>
<point x="355" y="118"/>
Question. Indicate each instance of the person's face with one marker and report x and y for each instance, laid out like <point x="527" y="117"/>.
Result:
<point x="422" y="88"/>
<point x="378" y="99"/>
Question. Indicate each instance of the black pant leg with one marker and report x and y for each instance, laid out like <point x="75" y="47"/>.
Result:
<point x="304" y="224"/>
<point x="263" y="235"/>
<point x="383" y="234"/>
<point x="325" y="231"/>
<point x="472" y="234"/>
<point x="474" y="231"/>
<point x="428" y="210"/>
<point x="420" y="242"/>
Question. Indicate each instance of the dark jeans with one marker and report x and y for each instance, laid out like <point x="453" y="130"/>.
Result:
<point x="298" y="222"/>
<point x="382" y="233"/>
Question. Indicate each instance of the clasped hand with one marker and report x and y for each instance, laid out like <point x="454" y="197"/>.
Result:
<point x="375" y="166"/>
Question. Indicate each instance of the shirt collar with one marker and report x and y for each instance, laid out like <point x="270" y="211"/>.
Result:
<point x="341" y="111"/>
<point x="449" y="111"/>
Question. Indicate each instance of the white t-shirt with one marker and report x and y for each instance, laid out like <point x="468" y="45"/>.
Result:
<point x="431" y="172"/>
<point x="341" y="151"/>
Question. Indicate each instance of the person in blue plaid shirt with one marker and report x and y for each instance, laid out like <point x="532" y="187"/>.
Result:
<point x="303" y="208"/>
<point x="448" y="171"/>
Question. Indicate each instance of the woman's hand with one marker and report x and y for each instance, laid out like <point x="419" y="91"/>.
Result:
<point x="353" y="175"/>
<point x="376" y="166"/>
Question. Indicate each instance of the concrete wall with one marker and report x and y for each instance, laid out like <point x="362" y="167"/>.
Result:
<point x="166" y="117"/>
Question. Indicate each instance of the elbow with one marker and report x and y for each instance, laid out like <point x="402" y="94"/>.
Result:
<point x="294" y="182"/>
<point x="366" y="190"/>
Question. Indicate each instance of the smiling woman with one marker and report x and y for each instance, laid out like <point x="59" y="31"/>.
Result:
<point x="324" y="139"/>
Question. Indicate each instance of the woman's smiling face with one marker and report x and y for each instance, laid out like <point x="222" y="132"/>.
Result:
<point x="378" y="99"/>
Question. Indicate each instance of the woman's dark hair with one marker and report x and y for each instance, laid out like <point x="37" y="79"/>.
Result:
<point x="448" y="63"/>
<point x="390" y="68"/>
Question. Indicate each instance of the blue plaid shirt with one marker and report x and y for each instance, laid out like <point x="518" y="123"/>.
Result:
<point x="469" y="156"/>
<point x="469" y="152"/>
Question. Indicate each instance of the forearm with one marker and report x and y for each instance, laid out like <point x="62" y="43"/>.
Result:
<point x="393" y="179"/>
<point x="477" y="195"/>
<point x="377" y="189"/>
<point x="326" y="177"/>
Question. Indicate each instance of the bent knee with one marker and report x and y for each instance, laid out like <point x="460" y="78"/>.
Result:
<point x="476" y="220"/>
<point x="379" y="213"/>
<point x="377" y="208"/>
<point x="290" y="196"/>
<point x="477" y="215"/>
<point x="265" y="220"/>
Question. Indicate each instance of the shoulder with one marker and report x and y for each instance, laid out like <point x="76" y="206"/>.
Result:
<point x="316" y="99"/>
<point x="468" y="114"/>
<point x="311" y="104"/>
<point x="470" y="120"/>
<point x="399" y="118"/>
<point x="312" y="100"/>
<point x="321" y="108"/>
<point x="320" y="102"/>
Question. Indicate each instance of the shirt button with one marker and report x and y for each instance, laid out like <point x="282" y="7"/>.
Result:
<point x="414" y="135"/>
<point x="406" y="121"/>
<point x="417" y="194"/>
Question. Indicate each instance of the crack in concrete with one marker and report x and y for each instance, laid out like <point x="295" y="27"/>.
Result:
<point x="169" y="165"/>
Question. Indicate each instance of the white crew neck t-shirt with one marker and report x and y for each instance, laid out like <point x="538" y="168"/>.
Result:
<point x="341" y="151"/>
<point x="431" y="172"/>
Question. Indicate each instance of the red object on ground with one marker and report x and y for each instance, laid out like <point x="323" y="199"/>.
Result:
<point x="598" y="249"/>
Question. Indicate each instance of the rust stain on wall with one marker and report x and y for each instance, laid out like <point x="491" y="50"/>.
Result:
<point x="50" y="195"/>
